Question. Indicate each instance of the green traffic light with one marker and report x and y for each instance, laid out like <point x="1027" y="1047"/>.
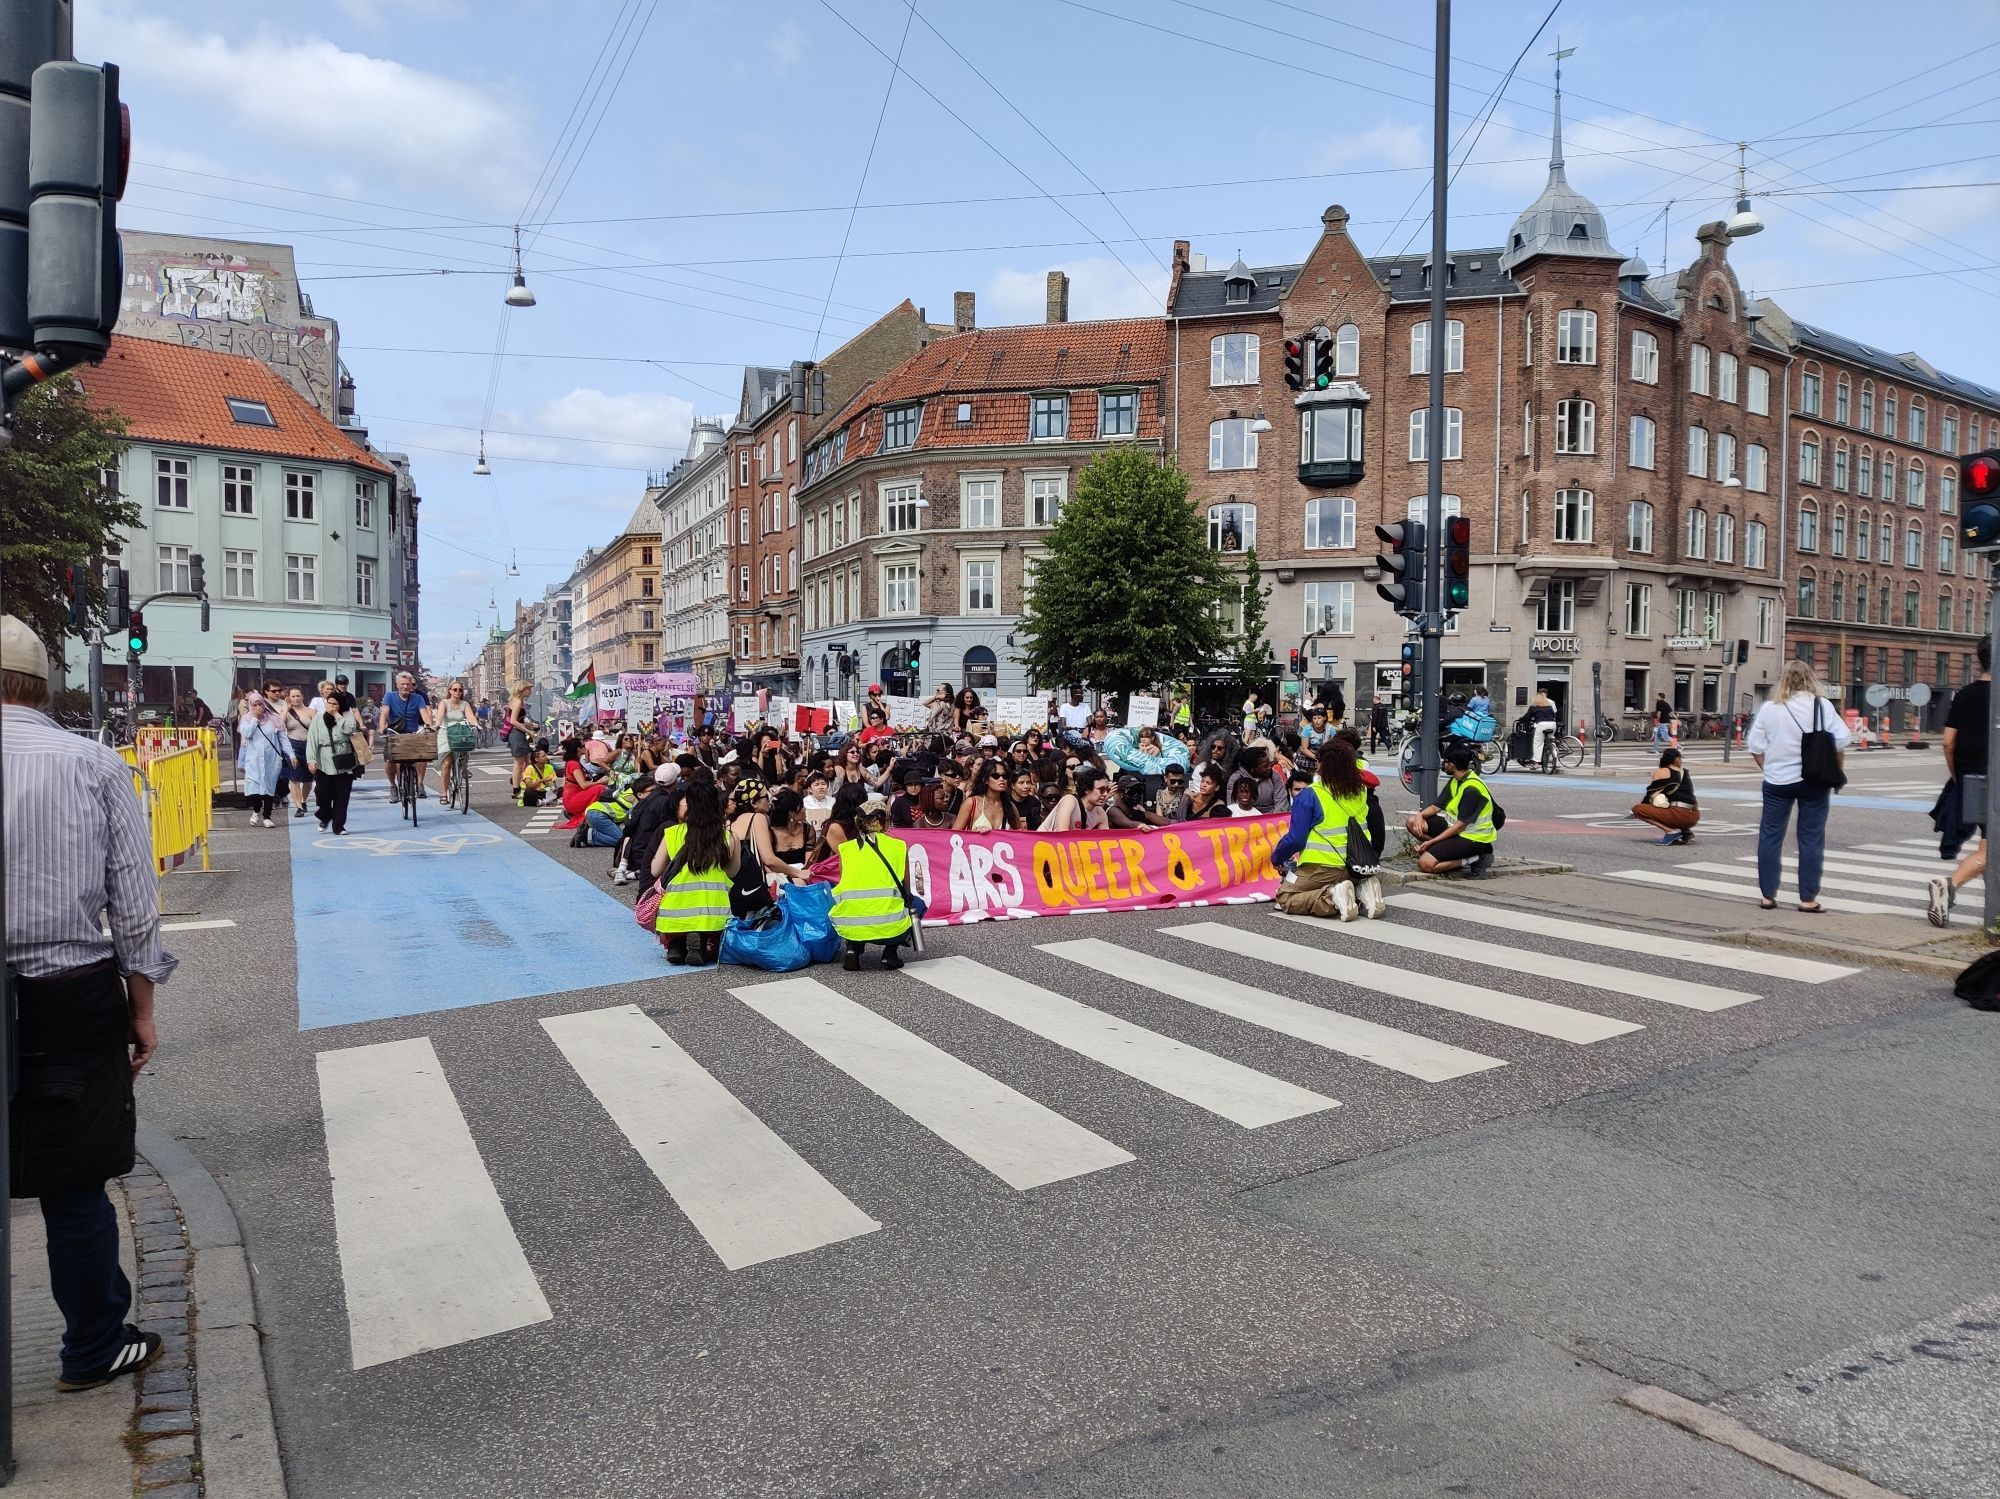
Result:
<point x="1458" y="595"/>
<point x="1323" y="381"/>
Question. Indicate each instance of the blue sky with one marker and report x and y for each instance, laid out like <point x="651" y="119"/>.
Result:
<point x="701" y="226"/>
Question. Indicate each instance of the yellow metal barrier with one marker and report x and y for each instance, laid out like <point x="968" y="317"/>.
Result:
<point x="150" y="743"/>
<point x="178" y="788"/>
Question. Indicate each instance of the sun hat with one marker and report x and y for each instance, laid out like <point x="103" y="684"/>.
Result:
<point x="20" y="650"/>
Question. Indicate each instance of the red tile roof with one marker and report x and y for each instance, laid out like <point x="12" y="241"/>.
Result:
<point x="994" y="370"/>
<point x="173" y="394"/>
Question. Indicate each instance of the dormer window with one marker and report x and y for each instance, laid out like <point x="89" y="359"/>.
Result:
<point x="899" y="427"/>
<point x="1236" y="292"/>
<point x="1579" y="230"/>
<point x="249" y="413"/>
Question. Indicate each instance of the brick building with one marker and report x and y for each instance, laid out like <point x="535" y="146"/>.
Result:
<point x="1576" y="393"/>
<point x="781" y="412"/>
<point x="927" y="501"/>
<point x="1881" y="593"/>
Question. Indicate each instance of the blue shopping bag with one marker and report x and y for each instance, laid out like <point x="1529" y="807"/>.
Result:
<point x="810" y="911"/>
<point x="767" y="939"/>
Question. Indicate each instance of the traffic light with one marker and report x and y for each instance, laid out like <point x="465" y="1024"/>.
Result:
<point x="1295" y="364"/>
<point x="197" y="576"/>
<point x="79" y="144"/>
<point x="1457" y="562"/>
<point x="1980" y="476"/>
<point x="916" y="658"/>
<point x="1409" y="668"/>
<point x="1322" y="363"/>
<point x="30" y="36"/>
<point x="1295" y="663"/>
<point x="135" y="633"/>
<point x="76" y="592"/>
<point x="1742" y="652"/>
<point x="1402" y="562"/>
<point x="117" y="596"/>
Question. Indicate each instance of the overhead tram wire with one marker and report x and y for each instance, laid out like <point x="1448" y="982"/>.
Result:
<point x="609" y="97"/>
<point x="981" y="137"/>
<point x="592" y="78"/>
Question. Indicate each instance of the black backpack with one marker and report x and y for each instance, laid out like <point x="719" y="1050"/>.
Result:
<point x="1979" y="985"/>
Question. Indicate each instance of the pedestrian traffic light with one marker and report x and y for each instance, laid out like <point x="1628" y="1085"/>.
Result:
<point x="1409" y="667"/>
<point x="916" y="656"/>
<point x="1742" y="652"/>
<point x="1457" y="562"/>
<point x="1295" y="663"/>
<point x="1980" y="475"/>
<point x="79" y="145"/>
<point x="1295" y="364"/>
<point x="1322" y="363"/>
<point x="75" y="593"/>
<point x="1402" y="562"/>
<point x="117" y="597"/>
<point x="197" y="575"/>
<point x="135" y="633"/>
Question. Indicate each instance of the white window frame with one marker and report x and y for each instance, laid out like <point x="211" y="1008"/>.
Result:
<point x="967" y="498"/>
<point x="301" y="578"/>
<point x="899" y="501"/>
<point x="239" y="489"/>
<point x="170" y="483"/>
<point x="1454" y="347"/>
<point x="1725" y="377"/>
<point x="1219" y="434"/>
<point x="1725" y="537"/>
<point x="1347" y="351"/>
<point x="1334" y="530"/>
<point x="1756" y="545"/>
<point x="1645" y="357"/>
<point x="239" y="573"/>
<point x="1576" y="336"/>
<point x="1808" y="526"/>
<point x="1699" y="360"/>
<point x="1576" y="426"/>
<point x="1640" y="442"/>
<point x="1242" y="350"/>
<point x="364" y="504"/>
<point x="901" y="582"/>
<point x="1767" y="618"/>
<point x="301" y="495"/>
<point x="1328" y="607"/>
<point x="1697" y="451"/>
<point x="1218" y="519"/>
<point x="1575" y="517"/>
<point x="1756" y="468"/>
<point x="1694" y="535"/>
<point x="1639" y="527"/>
<point x="989" y="568"/>
<point x="1041" y="487"/>
<point x="1555" y="610"/>
<point x="1808" y="458"/>
<point x="175" y="570"/>
<point x="1454" y="434"/>
<point x="1757" y="391"/>
<point x="1639" y="610"/>
<point x="364" y="582"/>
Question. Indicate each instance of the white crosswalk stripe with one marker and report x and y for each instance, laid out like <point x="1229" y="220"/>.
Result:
<point x="1238" y="1093"/>
<point x="749" y="1194"/>
<point x="1692" y="996"/>
<point x="1745" y="888"/>
<point x="1856" y="864"/>
<point x="1538" y="1016"/>
<point x="1654" y="944"/>
<point x="427" y="1256"/>
<point x="1873" y="886"/>
<point x="1383" y="1045"/>
<point x="1024" y="1143"/>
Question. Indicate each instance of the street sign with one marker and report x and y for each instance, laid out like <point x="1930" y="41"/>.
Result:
<point x="1689" y="643"/>
<point x="1880" y="695"/>
<point x="1877" y="695"/>
<point x="1329" y="660"/>
<point x="1918" y="693"/>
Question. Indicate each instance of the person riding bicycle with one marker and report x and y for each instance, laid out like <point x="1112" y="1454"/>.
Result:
<point x="455" y="710"/>
<point x="404" y="711"/>
<point x="1542" y="721"/>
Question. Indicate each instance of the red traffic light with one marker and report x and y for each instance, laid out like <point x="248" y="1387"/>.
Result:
<point x="1293" y="346"/>
<point x="1982" y="476"/>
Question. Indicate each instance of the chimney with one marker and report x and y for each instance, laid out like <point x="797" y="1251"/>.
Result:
<point x="1058" y="298"/>
<point x="961" y="311"/>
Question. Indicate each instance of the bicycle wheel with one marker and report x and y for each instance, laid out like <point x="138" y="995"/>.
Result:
<point x="1570" y="754"/>
<point x="461" y="783"/>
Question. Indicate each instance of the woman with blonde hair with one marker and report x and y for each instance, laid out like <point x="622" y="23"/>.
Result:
<point x="520" y="730"/>
<point x="1777" y="741"/>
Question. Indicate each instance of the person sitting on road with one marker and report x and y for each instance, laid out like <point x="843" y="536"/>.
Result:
<point x="1669" y="800"/>
<point x="1267" y="782"/>
<point x="538" y="779"/>
<point x="1461" y="833"/>
<point x="1082" y="808"/>
<point x="604" y="819"/>
<point x="646" y="826"/>
<point x="869" y="902"/>
<point x="1337" y="853"/>
<point x="694" y="903"/>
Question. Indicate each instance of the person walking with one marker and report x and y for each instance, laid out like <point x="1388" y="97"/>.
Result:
<point x="1663" y="721"/>
<point x="1669" y="801"/>
<point x="264" y="754"/>
<point x="298" y="723"/>
<point x="335" y="761"/>
<point x="1965" y="738"/>
<point x="83" y="944"/>
<point x="1776" y="742"/>
<point x="1378" y="725"/>
<point x="1329" y="837"/>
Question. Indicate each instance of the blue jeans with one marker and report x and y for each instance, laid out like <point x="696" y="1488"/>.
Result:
<point x="604" y="833"/>
<point x="1812" y="802"/>
<point x="89" y="1284"/>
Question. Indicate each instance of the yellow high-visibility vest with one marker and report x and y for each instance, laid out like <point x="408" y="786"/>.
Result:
<point x="866" y="904"/>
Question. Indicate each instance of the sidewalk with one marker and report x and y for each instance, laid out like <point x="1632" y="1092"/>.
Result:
<point x="145" y="1434"/>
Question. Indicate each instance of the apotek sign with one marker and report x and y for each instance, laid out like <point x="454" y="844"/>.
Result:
<point x="1554" y="645"/>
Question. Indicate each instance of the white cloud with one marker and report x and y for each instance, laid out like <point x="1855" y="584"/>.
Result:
<point x="1099" y="287"/>
<point x="637" y="429"/>
<point x="1387" y="144"/>
<point x="787" y="46"/>
<point x="306" y="95"/>
<point x="372" y="13"/>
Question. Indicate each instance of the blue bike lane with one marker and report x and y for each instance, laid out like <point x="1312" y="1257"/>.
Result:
<point x="458" y="912"/>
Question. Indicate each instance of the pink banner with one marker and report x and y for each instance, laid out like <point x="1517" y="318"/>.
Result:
<point x="1004" y="876"/>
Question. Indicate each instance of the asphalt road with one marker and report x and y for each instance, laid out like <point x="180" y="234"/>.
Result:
<point x="720" y="1234"/>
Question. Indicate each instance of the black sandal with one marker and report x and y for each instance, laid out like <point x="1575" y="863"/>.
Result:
<point x="1815" y="909"/>
<point x="1766" y="905"/>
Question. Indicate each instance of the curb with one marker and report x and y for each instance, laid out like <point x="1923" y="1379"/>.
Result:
<point x="1727" y="1431"/>
<point x="238" y="1436"/>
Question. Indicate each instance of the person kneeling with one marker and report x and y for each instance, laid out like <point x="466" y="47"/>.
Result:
<point x="1461" y="833"/>
<point x="1330" y="835"/>
<point x="871" y="897"/>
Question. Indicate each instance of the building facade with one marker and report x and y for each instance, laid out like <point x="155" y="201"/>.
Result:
<point x="294" y="520"/>
<point x="1615" y="443"/>
<point x="617" y="608"/>
<point x="928" y="500"/>
<point x="695" y="558"/>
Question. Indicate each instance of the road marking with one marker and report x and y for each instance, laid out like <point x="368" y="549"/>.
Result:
<point x="1873" y="887"/>
<point x="1024" y="1143"/>
<point x="1689" y="996"/>
<point x="1656" y="944"/>
<point x="492" y="770"/>
<point x="747" y="1192"/>
<point x="1908" y="857"/>
<point x="427" y="1256"/>
<point x="1862" y="864"/>
<point x="1384" y="1045"/>
<point x="216" y="924"/>
<point x="1239" y="1094"/>
<point x="1749" y="892"/>
<point x="1538" y="1016"/>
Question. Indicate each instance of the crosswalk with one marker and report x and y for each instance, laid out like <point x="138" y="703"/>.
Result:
<point x="543" y="820"/>
<point x="429" y="1256"/>
<point x="1869" y="879"/>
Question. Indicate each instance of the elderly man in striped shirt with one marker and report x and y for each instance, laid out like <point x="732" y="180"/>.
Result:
<point x="78" y="856"/>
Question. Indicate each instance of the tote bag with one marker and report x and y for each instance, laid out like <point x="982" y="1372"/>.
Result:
<point x="1819" y="757"/>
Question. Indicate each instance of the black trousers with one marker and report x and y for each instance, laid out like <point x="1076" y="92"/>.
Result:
<point x="330" y="794"/>
<point x="72" y="1130"/>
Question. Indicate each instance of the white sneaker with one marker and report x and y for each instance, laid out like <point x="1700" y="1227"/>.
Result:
<point x="1344" y="902"/>
<point x="255" y="820"/>
<point x="1942" y="896"/>
<point x="268" y="823"/>
<point x="1372" y="903"/>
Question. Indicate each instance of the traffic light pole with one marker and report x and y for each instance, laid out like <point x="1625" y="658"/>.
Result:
<point x="1431" y="629"/>
<point x="1991" y="922"/>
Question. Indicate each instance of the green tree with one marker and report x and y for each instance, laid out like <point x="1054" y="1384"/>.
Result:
<point x="1252" y="654"/>
<point x="1128" y="594"/>
<point x="55" y="511"/>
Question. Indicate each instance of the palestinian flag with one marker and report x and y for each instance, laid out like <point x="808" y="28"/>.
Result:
<point x="585" y="684"/>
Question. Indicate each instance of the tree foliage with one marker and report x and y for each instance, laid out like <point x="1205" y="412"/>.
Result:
<point x="55" y="511"/>
<point x="1251" y="654"/>
<point x="1128" y="595"/>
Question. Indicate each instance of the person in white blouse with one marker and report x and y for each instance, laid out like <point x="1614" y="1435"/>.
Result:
<point x="1797" y="707"/>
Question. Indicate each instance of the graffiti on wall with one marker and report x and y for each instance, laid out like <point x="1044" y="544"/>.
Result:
<point x="212" y="293"/>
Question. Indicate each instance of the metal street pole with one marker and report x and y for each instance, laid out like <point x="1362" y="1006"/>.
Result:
<point x="1992" y="881"/>
<point x="1431" y="621"/>
<point x="1729" y="706"/>
<point x="1596" y="713"/>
